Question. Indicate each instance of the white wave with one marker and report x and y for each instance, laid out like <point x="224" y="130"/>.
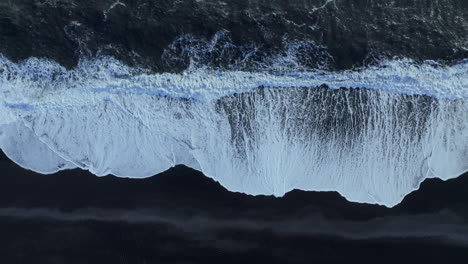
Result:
<point x="372" y="145"/>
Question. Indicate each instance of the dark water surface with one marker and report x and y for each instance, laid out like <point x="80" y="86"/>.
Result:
<point x="151" y="33"/>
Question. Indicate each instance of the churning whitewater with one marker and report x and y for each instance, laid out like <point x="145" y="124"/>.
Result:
<point x="372" y="134"/>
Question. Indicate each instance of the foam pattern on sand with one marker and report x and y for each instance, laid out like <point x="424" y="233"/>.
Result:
<point x="372" y="134"/>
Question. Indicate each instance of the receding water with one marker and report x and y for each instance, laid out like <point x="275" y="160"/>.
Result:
<point x="374" y="141"/>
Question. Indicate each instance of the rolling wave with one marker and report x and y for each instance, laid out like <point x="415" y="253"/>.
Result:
<point x="373" y="134"/>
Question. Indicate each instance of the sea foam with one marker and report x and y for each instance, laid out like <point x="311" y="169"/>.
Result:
<point x="373" y="134"/>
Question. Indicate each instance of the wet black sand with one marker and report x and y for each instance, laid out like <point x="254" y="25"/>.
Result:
<point x="181" y="216"/>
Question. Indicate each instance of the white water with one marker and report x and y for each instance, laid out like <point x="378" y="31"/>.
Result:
<point x="372" y="145"/>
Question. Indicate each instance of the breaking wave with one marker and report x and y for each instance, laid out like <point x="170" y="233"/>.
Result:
<point x="372" y="134"/>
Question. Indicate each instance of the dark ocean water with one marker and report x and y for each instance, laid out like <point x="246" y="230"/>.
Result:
<point x="345" y="34"/>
